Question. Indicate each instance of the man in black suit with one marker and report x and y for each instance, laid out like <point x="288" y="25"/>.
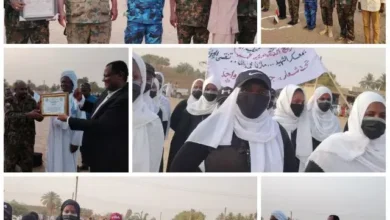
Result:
<point x="106" y="134"/>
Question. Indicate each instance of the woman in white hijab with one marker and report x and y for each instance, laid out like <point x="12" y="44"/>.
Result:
<point x="63" y="143"/>
<point x="239" y="136"/>
<point x="148" y="134"/>
<point x="165" y="104"/>
<point x="323" y="122"/>
<point x="194" y="114"/>
<point x="278" y="215"/>
<point x="291" y="113"/>
<point x="363" y="147"/>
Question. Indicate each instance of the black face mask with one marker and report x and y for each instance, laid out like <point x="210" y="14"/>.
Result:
<point x="69" y="217"/>
<point x="252" y="105"/>
<point x="136" y="91"/>
<point x="297" y="109"/>
<point x="153" y="94"/>
<point x="324" y="106"/>
<point x="197" y="93"/>
<point x="373" y="128"/>
<point x="210" y="96"/>
<point x="148" y="86"/>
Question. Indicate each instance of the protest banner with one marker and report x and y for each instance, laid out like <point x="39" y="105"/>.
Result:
<point x="283" y="65"/>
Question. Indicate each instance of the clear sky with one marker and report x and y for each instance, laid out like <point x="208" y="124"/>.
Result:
<point x="39" y="64"/>
<point x="168" y="195"/>
<point x="350" y="65"/>
<point x="315" y="198"/>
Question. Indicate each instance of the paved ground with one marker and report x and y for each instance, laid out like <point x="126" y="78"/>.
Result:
<point x="167" y="143"/>
<point x="283" y="33"/>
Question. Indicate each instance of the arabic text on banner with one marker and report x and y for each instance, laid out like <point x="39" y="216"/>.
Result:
<point x="283" y="65"/>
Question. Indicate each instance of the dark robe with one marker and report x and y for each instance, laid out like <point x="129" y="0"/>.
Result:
<point x="312" y="167"/>
<point x="186" y="125"/>
<point x="316" y="143"/>
<point x="232" y="158"/>
<point x="346" y="127"/>
<point x="160" y="115"/>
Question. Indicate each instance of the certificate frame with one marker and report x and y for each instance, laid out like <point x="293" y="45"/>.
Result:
<point x="51" y="16"/>
<point x="54" y="95"/>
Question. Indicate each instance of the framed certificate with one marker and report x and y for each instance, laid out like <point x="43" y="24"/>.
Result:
<point x="39" y="10"/>
<point x="54" y="104"/>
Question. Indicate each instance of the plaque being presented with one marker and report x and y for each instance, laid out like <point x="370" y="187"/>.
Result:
<point x="55" y="104"/>
<point x="39" y="10"/>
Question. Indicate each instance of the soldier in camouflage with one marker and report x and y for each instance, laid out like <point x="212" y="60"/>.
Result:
<point x="265" y="5"/>
<point x="191" y="17"/>
<point x="293" y="6"/>
<point x="346" y="11"/>
<point x="247" y="21"/>
<point x="87" y="21"/>
<point x="19" y="134"/>
<point x="21" y="32"/>
<point x="327" y="7"/>
<point x="144" y="20"/>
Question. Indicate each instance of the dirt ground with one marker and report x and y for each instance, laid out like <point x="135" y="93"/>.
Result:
<point x="284" y="33"/>
<point x="167" y="143"/>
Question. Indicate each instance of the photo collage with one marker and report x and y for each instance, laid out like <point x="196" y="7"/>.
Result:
<point x="241" y="110"/>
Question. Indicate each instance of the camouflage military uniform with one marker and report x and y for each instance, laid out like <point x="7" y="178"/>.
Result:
<point x="19" y="134"/>
<point x="89" y="21"/>
<point x="20" y="32"/>
<point x="144" y="20"/>
<point x="247" y="21"/>
<point x="265" y="4"/>
<point x="293" y="7"/>
<point x="327" y="11"/>
<point x="192" y="18"/>
<point x="346" y="11"/>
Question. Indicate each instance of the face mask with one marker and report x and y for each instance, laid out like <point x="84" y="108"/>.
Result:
<point x="297" y="109"/>
<point x="252" y="105"/>
<point x="197" y="93"/>
<point x="148" y="86"/>
<point x="136" y="90"/>
<point x="373" y="128"/>
<point x="153" y="93"/>
<point x="210" y="96"/>
<point x="324" y="105"/>
<point x="69" y="217"/>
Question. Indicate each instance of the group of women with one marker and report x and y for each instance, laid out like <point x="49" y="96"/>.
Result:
<point x="240" y="131"/>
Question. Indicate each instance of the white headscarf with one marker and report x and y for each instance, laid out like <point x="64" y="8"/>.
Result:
<point x="148" y="133"/>
<point x="323" y="124"/>
<point x="156" y="100"/>
<point x="285" y="116"/>
<point x="165" y="104"/>
<point x="72" y="101"/>
<point x="263" y="134"/>
<point x="353" y="144"/>
<point x="149" y="101"/>
<point x="202" y="106"/>
<point x="192" y="99"/>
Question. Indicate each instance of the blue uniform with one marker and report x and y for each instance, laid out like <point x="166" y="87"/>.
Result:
<point x="92" y="99"/>
<point x="311" y="13"/>
<point x="144" y="20"/>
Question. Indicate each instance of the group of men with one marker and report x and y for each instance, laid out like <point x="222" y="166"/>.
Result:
<point x="371" y="11"/>
<point x="84" y="22"/>
<point x="98" y="125"/>
<point x="228" y="21"/>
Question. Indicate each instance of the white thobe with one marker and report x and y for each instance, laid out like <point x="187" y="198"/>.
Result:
<point x="59" y="157"/>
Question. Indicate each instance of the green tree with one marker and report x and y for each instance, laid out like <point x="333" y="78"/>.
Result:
<point x="368" y="82"/>
<point x="86" y="213"/>
<point x="6" y="84"/>
<point x="43" y="88"/>
<point x="157" y="62"/>
<point x="51" y="201"/>
<point x="381" y="82"/>
<point x="190" y="215"/>
<point x="325" y="80"/>
<point x="185" y="69"/>
<point x="95" y="87"/>
<point x="81" y="81"/>
<point x="128" y="215"/>
<point x="140" y="216"/>
<point x="18" y="208"/>
<point x="31" y="85"/>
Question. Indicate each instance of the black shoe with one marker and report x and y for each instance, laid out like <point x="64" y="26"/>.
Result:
<point x="290" y="23"/>
<point x="306" y="27"/>
<point x="265" y="10"/>
<point x="293" y="23"/>
<point x="310" y="29"/>
<point x="281" y="18"/>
